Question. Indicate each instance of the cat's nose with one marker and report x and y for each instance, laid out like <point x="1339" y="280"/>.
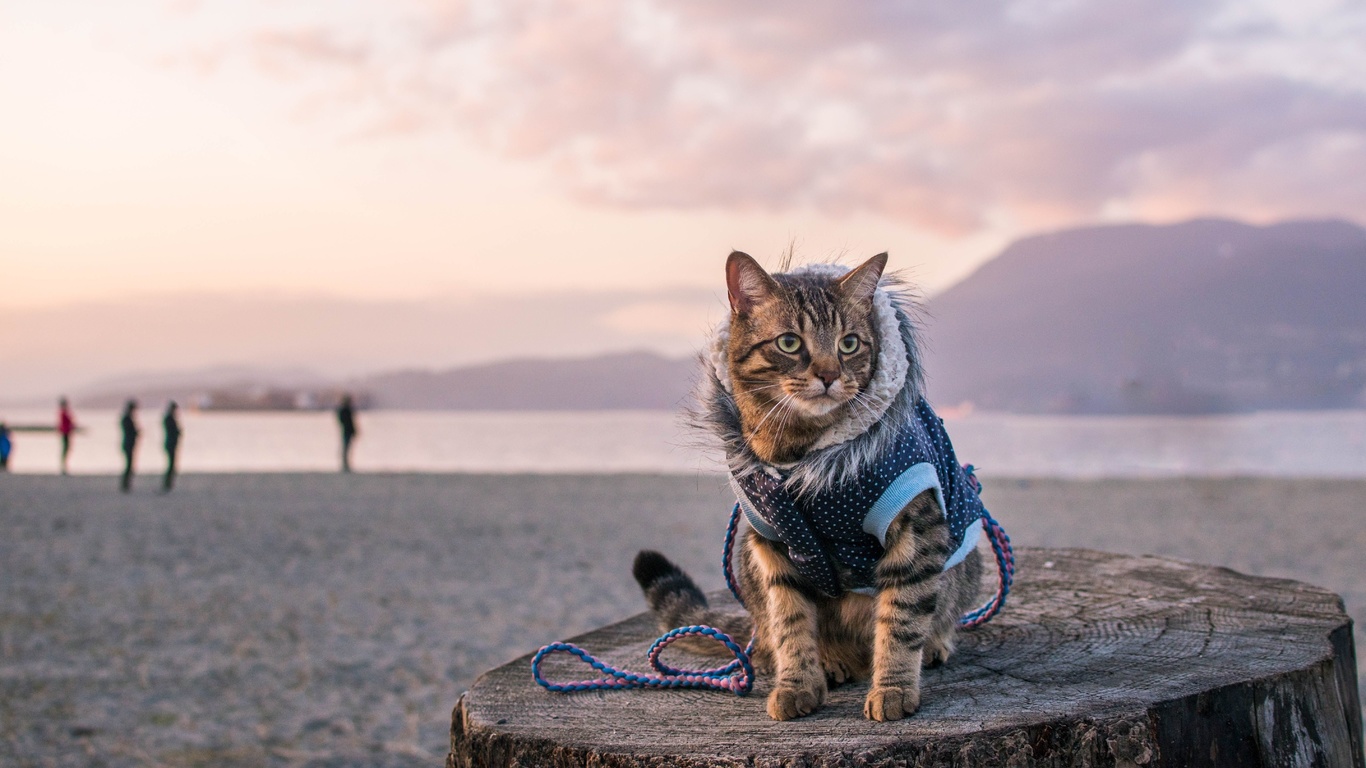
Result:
<point x="829" y="377"/>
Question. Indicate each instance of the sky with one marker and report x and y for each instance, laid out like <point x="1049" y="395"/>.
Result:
<point x="413" y="150"/>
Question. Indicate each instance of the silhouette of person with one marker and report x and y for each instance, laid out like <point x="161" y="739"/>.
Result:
<point x="346" y="417"/>
<point x="66" y="424"/>
<point x="172" y="427"/>
<point x="129" y="428"/>
<point x="5" y="446"/>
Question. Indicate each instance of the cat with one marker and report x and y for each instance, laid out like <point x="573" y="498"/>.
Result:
<point x="811" y="386"/>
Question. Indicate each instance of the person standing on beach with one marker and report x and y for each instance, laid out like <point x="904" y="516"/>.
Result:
<point x="130" y="441"/>
<point x="5" y="446"/>
<point x="172" y="427"/>
<point x="346" y="417"/>
<point x="66" y="424"/>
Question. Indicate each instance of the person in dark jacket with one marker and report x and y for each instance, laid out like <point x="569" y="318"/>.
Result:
<point x="172" y="427"/>
<point x="5" y="446"/>
<point x="346" y="417"/>
<point x="129" y="426"/>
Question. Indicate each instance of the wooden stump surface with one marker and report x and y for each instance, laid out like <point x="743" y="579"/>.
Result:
<point x="1098" y="659"/>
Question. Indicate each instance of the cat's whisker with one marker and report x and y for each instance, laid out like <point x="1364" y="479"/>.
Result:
<point x="860" y="400"/>
<point x="783" y="401"/>
<point x="893" y="407"/>
<point x="786" y="417"/>
<point x="750" y="387"/>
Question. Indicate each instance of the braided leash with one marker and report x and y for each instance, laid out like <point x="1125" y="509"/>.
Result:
<point x="1005" y="561"/>
<point x="738" y="676"/>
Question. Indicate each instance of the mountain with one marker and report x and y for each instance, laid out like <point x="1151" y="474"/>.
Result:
<point x="1200" y="317"/>
<point x="1205" y="316"/>
<point x="49" y="351"/>
<point x="635" y="380"/>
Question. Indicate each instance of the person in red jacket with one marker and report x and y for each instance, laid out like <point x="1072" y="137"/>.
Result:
<point x="66" y="425"/>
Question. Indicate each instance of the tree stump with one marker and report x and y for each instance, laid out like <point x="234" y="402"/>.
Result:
<point x="1098" y="660"/>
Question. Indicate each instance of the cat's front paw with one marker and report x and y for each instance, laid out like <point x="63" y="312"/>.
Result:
<point x="786" y="703"/>
<point x="887" y="702"/>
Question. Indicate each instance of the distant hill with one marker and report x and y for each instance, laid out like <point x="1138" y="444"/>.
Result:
<point x="70" y="349"/>
<point x="636" y="380"/>
<point x="1206" y="316"/>
<point x="623" y="381"/>
<point x="1201" y="317"/>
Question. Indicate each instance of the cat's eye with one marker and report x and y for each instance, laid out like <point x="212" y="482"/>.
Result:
<point x="849" y="344"/>
<point x="789" y="343"/>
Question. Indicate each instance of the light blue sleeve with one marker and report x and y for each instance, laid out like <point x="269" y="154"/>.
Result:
<point x="970" y="537"/>
<point x="909" y="484"/>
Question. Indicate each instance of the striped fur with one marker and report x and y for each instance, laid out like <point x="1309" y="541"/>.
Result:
<point x="807" y="641"/>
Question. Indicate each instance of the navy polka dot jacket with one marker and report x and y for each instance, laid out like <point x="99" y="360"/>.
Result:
<point x="835" y="537"/>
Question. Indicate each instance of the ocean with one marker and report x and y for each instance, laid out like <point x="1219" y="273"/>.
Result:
<point x="1276" y="444"/>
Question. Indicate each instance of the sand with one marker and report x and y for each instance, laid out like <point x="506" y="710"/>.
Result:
<point x="334" y="620"/>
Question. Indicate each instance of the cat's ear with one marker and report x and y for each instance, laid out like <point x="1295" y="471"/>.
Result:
<point x="861" y="281"/>
<point x="747" y="284"/>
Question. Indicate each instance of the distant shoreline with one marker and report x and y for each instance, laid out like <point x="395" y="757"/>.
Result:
<point x="155" y="472"/>
<point x="1273" y="444"/>
<point x="951" y="412"/>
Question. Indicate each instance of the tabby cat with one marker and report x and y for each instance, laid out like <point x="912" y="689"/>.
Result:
<point x="812" y="386"/>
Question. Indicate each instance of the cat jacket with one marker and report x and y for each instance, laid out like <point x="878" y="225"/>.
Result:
<point x="835" y="537"/>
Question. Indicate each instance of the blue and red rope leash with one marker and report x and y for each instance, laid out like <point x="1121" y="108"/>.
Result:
<point x="1005" y="562"/>
<point x="738" y="676"/>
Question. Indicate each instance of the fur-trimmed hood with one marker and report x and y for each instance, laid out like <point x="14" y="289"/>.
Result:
<point x="851" y="444"/>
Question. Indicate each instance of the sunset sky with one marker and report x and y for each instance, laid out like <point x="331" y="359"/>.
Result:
<point x="387" y="150"/>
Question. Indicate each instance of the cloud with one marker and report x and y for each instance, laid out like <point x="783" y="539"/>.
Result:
<point x="955" y="117"/>
<point x="278" y="50"/>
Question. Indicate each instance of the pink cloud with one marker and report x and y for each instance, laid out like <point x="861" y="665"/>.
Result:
<point x="281" y="51"/>
<point x="939" y="115"/>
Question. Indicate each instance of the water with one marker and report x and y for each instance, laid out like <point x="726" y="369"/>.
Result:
<point x="1290" y="444"/>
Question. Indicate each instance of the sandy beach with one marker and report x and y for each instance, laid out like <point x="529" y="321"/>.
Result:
<point x="314" y="619"/>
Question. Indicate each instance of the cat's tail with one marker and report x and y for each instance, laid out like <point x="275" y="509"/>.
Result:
<point x="677" y="602"/>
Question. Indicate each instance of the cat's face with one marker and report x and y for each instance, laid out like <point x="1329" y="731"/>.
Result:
<point x="801" y="346"/>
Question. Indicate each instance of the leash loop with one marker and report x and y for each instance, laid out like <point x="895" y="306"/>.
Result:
<point x="736" y="677"/>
